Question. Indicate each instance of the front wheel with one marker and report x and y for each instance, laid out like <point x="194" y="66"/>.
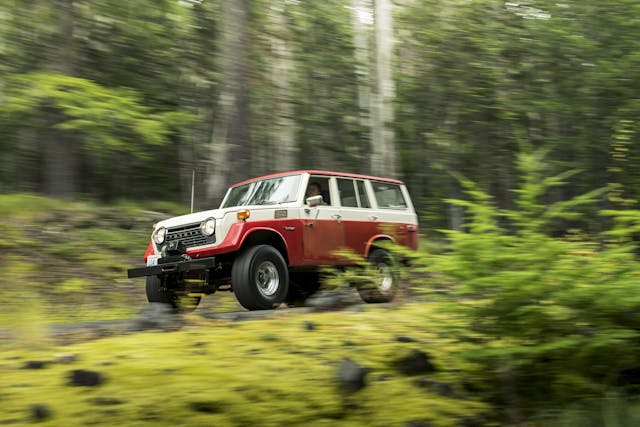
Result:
<point x="158" y="292"/>
<point x="260" y="278"/>
<point x="385" y="282"/>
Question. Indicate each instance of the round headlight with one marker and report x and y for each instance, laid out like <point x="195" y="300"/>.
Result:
<point x="159" y="235"/>
<point x="208" y="226"/>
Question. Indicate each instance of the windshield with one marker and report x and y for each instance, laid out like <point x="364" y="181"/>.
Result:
<point x="266" y="192"/>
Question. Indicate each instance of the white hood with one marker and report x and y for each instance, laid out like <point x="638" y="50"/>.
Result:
<point x="193" y="218"/>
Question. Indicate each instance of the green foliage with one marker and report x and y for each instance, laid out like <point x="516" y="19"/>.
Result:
<point x="612" y="410"/>
<point x="107" y="120"/>
<point x="476" y="79"/>
<point x="554" y="318"/>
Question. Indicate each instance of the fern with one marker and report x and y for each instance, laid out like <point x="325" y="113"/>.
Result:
<point x="543" y="312"/>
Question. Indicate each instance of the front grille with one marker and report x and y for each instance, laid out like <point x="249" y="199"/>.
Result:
<point x="190" y="235"/>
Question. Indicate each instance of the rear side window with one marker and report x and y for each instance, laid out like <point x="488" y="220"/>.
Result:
<point x="388" y="196"/>
<point x="362" y="195"/>
<point x="353" y="193"/>
<point x="347" y="191"/>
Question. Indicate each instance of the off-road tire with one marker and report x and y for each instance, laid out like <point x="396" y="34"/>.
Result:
<point x="260" y="278"/>
<point x="156" y="292"/>
<point x="385" y="284"/>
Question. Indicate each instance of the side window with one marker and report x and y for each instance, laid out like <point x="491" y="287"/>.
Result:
<point x="388" y="195"/>
<point x="362" y="195"/>
<point x="319" y="185"/>
<point x="347" y="192"/>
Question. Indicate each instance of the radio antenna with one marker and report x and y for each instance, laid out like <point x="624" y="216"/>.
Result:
<point x="193" y="187"/>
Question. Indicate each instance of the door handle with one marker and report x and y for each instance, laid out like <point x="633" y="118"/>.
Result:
<point x="336" y="216"/>
<point x="373" y="218"/>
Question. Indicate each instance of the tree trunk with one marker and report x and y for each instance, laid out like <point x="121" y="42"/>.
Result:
<point x="229" y="155"/>
<point x="361" y="12"/>
<point x="383" y="155"/>
<point x="282" y="75"/>
<point x="59" y="154"/>
<point x="59" y="160"/>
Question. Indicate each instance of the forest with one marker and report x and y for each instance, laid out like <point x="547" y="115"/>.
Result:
<point x="513" y="123"/>
<point x="118" y="99"/>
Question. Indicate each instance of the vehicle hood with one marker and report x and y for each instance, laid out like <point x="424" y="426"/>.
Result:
<point x="193" y="218"/>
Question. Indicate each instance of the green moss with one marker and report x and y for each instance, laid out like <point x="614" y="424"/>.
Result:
<point x="220" y="373"/>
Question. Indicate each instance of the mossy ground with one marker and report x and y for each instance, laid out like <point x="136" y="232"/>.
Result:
<point x="270" y="372"/>
<point x="68" y="259"/>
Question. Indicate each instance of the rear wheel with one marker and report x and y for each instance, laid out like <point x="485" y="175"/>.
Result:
<point x="385" y="282"/>
<point x="260" y="278"/>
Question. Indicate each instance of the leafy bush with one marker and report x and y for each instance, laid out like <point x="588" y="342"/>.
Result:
<point x="548" y="319"/>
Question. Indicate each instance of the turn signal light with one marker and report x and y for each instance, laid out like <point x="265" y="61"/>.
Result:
<point x="243" y="215"/>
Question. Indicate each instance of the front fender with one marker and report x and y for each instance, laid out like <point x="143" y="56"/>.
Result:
<point x="149" y="251"/>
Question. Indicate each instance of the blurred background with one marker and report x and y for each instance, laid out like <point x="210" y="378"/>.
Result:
<point x="126" y="99"/>
<point x="526" y="293"/>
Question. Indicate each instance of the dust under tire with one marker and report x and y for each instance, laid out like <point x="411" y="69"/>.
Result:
<point x="386" y="285"/>
<point x="260" y="278"/>
<point x="301" y="287"/>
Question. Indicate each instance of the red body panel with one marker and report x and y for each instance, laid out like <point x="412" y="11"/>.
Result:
<point x="321" y="240"/>
<point x="313" y="236"/>
<point x="289" y="230"/>
<point x="312" y="245"/>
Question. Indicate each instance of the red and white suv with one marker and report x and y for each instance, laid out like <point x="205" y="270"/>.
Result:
<point x="271" y="236"/>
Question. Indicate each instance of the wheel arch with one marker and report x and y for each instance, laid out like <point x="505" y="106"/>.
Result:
<point x="376" y="242"/>
<point x="266" y="236"/>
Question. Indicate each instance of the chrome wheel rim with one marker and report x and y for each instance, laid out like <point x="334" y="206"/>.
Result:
<point x="267" y="278"/>
<point x="386" y="282"/>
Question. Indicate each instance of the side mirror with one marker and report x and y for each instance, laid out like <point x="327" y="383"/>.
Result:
<point x="314" y="201"/>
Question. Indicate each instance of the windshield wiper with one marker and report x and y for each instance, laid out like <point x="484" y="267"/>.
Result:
<point x="267" y="202"/>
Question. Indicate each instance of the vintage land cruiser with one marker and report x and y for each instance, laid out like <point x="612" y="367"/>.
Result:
<point x="272" y="235"/>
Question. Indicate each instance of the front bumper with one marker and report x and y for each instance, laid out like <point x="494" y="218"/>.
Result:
<point x="181" y="266"/>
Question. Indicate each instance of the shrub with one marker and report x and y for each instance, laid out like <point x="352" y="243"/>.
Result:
<point x="547" y="319"/>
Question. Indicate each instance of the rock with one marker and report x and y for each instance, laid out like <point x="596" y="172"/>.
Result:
<point x="39" y="412"/>
<point x="106" y="401"/>
<point x="351" y="375"/>
<point x="403" y="338"/>
<point x="331" y="299"/>
<point x="415" y="363"/>
<point x="309" y="326"/>
<point x="35" y="364"/>
<point x="268" y="337"/>
<point x="156" y="316"/>
<point x="384" y="377"/>
<point x="207" y="407"/>
<point x="65" y="359"/>
<point x="443" y="389"/>
<point x="81" y="377"/>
